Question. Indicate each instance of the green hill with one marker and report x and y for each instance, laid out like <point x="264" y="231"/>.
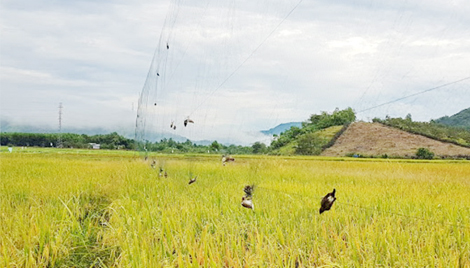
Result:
<point x="309" y="143"/>
<point x="460" y="119"/>
<point x="314" y="135"/>
<point x="321" y="131"/>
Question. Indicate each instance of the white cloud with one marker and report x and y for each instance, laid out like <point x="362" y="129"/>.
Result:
<point x="94" y="57"/>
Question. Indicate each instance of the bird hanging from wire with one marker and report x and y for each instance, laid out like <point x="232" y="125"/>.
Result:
<point x="249" y="190"/>
<point x="167" y="46"/>
<point x="188" y="120"/>
<point x="153" y="164"/>
<point x="226" y="159"/>
<point x="192" y="180"/>
<point x="327" y="201"/>
<point x="247" y="203"/>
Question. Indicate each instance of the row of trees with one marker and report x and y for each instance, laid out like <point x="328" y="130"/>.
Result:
<point x="171" y="146"/>
<point x="66" y="140"/>
<point x="116" y="141"/>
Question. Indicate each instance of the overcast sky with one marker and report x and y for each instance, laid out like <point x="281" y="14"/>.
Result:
<point x="232" y="66"/>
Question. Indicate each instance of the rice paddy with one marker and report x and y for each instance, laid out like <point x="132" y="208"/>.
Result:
<point x="79" y="208"/>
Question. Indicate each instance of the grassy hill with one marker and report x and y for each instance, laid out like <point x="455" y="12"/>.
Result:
<point x="323" y="137"/>
<point x="460" y="119"/>
<point x="378" y="140"/>
<point x="456" y="135"/>
<point x="390" y="137"/>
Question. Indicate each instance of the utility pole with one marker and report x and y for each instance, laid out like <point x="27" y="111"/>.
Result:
<point x="59" y="138"/>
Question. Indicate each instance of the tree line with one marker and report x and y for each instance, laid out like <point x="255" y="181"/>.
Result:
<point x="115" y="141"/>
<point x="66" y="140"/>
<point x="307" y="142"/>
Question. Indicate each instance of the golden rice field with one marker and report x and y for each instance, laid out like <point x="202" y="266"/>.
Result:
<point x="78" y="208"/>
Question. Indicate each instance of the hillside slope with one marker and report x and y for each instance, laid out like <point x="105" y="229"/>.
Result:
<point x="375" y="139"/>
<point x="460" y="119"/>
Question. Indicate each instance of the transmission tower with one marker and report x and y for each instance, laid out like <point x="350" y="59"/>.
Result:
<point x="59" y="138"/>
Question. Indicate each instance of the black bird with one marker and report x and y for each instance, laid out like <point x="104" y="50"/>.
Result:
<point x="249" y="190"/>
<point x="327" y="201"/>
<point x="158" y="74"/>
<point x="192" y="180"/>
<point x="167" y="46"/>
<point x="186" y="121"/>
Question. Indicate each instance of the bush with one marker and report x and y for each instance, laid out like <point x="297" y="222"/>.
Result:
<point x="424" y="153"/>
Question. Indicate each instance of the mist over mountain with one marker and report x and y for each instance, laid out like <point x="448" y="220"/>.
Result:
<point x="281" y="128"/>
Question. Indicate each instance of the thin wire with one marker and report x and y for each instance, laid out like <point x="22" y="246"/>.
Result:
<point x="249" y="56"/>
<point x="374" y="209"/>
<point x="404" y="215"/>
<point x="418" y="93"/>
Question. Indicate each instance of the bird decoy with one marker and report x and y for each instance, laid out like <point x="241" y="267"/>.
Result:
<point x="167" y="46"/>
<point x="186" y="121"/>
<point x="165" y="174"/>
<point x="249" y="190"/>
<point x="226" y="159"/>
<point x="247" y="203"/>
<point x="153" y="164"/>
<point x="192" y="180"/>
<point x="327" y="201"/>
<point x="158" y="74"/>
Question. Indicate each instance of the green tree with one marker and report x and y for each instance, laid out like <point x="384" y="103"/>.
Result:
<point x="424" y="153"/>
<point x="215" y="146"/>
<point x="309" y="144"/>
<point x="259" y="148"/>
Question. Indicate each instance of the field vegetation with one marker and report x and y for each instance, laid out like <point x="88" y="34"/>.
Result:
<point x="80" y="208"/>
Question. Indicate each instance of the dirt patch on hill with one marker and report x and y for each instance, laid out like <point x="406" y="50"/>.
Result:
<point x="374" y="139"/>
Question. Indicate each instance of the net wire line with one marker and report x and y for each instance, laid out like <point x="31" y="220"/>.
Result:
<point x="458" y="225"/>
<point x="415" y="94"/>
<point x="174" y="104"/>
<point x="247" y="58"/>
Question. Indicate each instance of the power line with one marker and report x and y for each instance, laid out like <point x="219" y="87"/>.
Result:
<point x="415" y="94"/>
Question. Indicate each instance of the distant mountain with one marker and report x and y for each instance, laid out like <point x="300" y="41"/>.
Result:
<point x="460" y="119"/>
<point x="281" y="128"/>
